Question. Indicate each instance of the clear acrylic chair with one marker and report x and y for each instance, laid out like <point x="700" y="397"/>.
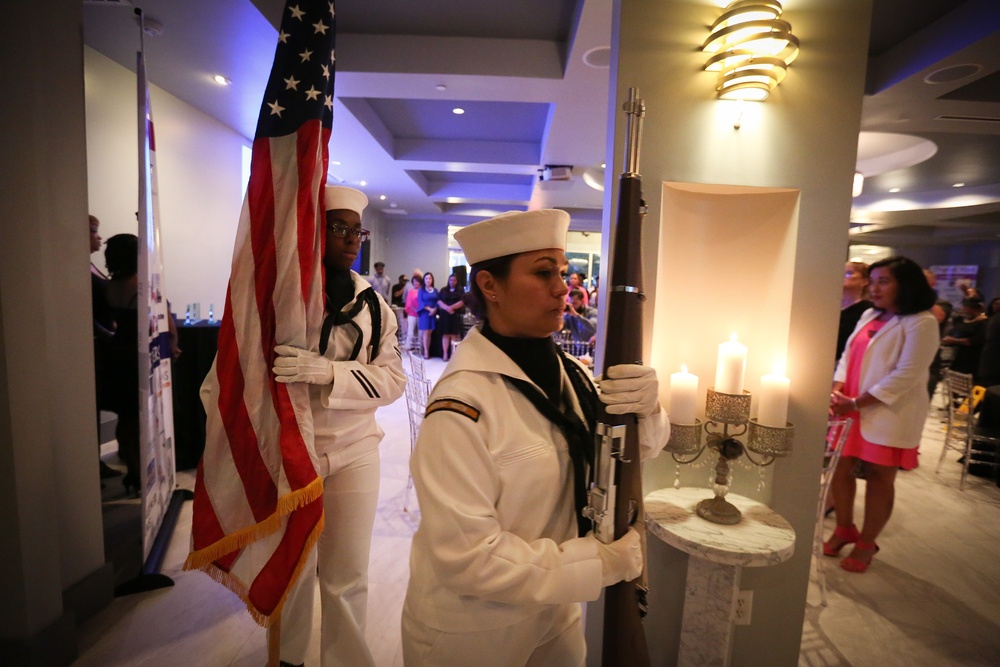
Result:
<point x="417" y="391"/>
<point x="417" y="366"/>
<point x="837" y="431"/>
<point x="958" y="435"/>
<point x="962" y="434"/>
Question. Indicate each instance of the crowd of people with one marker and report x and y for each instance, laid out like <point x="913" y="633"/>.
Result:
<point x="427" y="309"/>
<point x="422" y="309"/>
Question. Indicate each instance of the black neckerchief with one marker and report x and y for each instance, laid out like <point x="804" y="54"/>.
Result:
<point x="339" y="292"/>
<point x="540" y="359"/>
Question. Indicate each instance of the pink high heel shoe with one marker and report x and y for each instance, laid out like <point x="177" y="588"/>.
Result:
<point x="855" y="564"/>
<point x="842" y="536"/>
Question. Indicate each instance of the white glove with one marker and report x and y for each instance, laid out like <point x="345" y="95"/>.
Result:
<point x="630" y="388"/>
<point x="622" y="559"/>
<point x="297" y="365"/>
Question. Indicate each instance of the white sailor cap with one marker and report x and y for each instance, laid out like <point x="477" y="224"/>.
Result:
<point x="342" y="197"/>
<point x="514" y="232"/>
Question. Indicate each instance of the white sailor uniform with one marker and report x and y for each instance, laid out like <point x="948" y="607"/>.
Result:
<point x="497" y="569"/>
<point x="346" y="444"/>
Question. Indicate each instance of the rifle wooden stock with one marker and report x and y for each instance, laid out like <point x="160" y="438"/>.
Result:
<point x="624" y="603"/>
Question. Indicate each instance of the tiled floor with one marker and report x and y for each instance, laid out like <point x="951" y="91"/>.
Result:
<point x="931" y="598"/>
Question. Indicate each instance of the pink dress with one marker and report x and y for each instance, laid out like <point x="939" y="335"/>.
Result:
<point x="856" y="445"/>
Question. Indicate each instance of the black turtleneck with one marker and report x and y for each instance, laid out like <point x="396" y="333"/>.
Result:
<point x="537" y="357"/>
<point x="339" y="289"/>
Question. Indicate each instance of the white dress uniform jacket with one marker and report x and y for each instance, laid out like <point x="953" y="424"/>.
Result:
<point x="344" y="412"/>
<point x="497" y="541"/>
<point x="894" y="370"/>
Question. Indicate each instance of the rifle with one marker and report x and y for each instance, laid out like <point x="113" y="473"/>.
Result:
<point x="615" y="496"/>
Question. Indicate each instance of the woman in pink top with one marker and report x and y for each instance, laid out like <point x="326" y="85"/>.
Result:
<point x="879" y="383"/>
<point x="410" y="308"/>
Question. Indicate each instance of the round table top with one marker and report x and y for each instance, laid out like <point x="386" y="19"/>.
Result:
<point x="762" y="538"/>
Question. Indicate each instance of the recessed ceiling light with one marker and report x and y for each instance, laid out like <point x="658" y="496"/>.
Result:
<point x="221" y="80"/>
<point x="893" y="189"/>
<point x="604" y="166"/>
<point x="598" y="57"/>
<point x="440" y="86"/>
<point x="335" y="162"/>
<point x="958" y="185"/>
<point x="953" y="73"/>
<point x="363" y="183"/>
<point x="382" y="197"/>
<point x="458" y="111"/>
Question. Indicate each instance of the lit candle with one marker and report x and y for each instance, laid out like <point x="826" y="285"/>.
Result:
<point x="772" y="410"/>
<point x="731" y="366"/>
<point x="683" y="396"/>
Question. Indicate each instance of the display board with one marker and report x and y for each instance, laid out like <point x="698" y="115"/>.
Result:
<point x="156" y="419"/>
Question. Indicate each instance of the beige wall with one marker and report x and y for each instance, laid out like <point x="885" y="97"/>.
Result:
<point x="803" y="138"/>
<point x="199" y="165"/>
<point x="199" y="169"/>
<point x="409" y="245"/>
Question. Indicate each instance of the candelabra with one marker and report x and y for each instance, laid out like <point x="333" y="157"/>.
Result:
<point x="728" y="418"/>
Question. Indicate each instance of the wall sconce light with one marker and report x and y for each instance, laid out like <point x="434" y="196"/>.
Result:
<point x="751" y="49"/>
<point x="859" y="184"/>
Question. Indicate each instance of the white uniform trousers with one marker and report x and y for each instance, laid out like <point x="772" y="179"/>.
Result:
<point x="413" y="335"/>
<point x="553" y="638"/>
<point x="350" y="496"/>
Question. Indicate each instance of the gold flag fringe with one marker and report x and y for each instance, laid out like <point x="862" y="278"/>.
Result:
<point x="238" y="587"/>
<point x="204" y="559"/>
<point x="201" y="558"/>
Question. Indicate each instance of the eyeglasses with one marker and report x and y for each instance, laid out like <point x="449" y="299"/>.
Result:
<point x="343" y="230"/>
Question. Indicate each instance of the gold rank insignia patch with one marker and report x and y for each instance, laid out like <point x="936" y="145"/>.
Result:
<point x="453" y="405"/>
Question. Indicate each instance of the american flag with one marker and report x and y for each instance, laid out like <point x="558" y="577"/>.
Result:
<point x="257" y="505"/>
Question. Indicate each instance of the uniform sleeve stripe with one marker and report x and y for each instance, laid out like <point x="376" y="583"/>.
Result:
<point x="365" y="384"/>
<point x="453" y="405"/>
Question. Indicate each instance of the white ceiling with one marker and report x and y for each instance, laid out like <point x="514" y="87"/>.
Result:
<point x="531" y="100"/>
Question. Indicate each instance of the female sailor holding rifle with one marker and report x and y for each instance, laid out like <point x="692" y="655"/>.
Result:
<point x="503" y="556"/>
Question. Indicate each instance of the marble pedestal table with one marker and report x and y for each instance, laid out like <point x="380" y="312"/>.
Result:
<point x="717" y="555"/>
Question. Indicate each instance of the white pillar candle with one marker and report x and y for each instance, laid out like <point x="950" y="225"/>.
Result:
<point x="772" y="410"/>
<point x="683" y="396"/>
<point x="730" y="367"/>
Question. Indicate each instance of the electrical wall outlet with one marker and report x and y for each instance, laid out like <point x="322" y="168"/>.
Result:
<point x="744" y="604"/>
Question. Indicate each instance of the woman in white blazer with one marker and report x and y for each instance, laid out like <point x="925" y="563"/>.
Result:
<point x="880" y="382"/>
<point x="502" y="557"/>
